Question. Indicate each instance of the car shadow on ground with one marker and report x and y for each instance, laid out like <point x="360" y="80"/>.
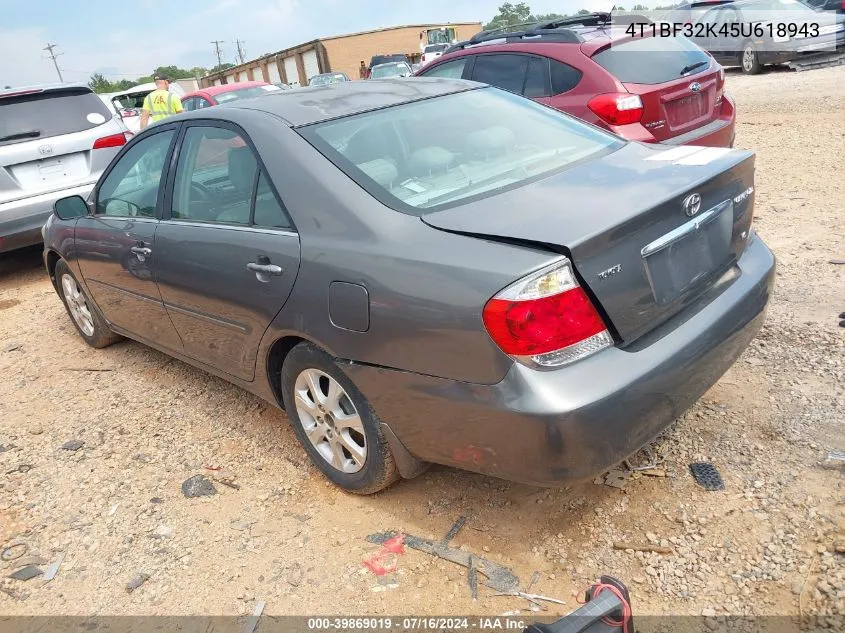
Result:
<point x="24" y="260"/>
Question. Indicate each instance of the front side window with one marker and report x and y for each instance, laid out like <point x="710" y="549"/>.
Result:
<point x="447" y="70"/>
<point x="427" y="155"/>
<point x="189" y="104"/>
<point x="215" y="177"/>
<point x="132" y="186"/>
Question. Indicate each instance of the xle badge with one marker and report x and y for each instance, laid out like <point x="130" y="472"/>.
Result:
<point x="610" y="271"/>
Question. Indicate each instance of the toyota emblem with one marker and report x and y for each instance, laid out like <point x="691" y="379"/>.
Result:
<point x="692" y="205"/>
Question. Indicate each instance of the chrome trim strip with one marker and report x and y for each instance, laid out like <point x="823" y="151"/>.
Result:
<point x="232" y="325"/>
<point x="235" y="227"/>
<point x="685" y="229"/>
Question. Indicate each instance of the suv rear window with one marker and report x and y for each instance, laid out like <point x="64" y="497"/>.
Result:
<point x="53" y="113"/>
<point x="652" y="60"/>
<point x="436" y="48"/>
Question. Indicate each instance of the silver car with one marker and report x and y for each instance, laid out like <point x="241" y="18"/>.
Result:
<point x="55" y="141"/>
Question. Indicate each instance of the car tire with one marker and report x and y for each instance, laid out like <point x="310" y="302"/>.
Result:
<point x="335" y="424"/>
<point x="749" y="59"/>
<point x="82" y="312"/>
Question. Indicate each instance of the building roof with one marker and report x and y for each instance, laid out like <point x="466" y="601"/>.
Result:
<point x="321" y="103"/>
<point x="404" y="26"/>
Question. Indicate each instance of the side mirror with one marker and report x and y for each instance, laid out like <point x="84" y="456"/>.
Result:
<point x="70" y="208"/>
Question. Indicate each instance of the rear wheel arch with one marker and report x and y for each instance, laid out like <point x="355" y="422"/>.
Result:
<point x="276" y="356"/>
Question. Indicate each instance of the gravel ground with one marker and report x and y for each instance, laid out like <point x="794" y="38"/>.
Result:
<point x="95" y="446"/>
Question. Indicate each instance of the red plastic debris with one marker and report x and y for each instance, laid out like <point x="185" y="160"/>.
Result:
<point x="384" y="560"/>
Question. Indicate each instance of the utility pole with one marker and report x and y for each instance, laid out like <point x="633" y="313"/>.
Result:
<point x="240" y="50"/>
<point x="53" y="56"/>
<point x="217" y="44"/>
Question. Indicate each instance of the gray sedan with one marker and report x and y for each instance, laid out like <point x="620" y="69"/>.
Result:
<point x="427" y="271"/>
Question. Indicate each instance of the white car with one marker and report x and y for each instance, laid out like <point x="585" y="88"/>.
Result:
<point x="129" y="103"/>
<point x="432" y="52"/>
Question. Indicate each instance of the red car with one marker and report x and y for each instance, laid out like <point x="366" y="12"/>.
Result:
<point x="643" y="88"/>
<point x="216" y="95"/>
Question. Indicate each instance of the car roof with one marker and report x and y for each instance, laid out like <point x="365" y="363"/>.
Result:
<point x="321" y="103"/>
<point x="4" y="92"/>
<point x="216" y="90"/>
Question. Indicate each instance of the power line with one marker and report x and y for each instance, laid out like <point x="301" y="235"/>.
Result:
<point x="217" y="44"/>
<point x="53" y="56"/>
<point x="240" y="50"/>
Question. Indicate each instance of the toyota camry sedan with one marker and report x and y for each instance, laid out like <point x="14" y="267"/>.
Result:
<point x="425" y="271"/>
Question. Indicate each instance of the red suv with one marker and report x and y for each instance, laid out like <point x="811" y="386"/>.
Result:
<point x="650" y="89"/>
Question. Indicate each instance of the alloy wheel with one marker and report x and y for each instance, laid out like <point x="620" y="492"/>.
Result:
<point x="77" y="305"/>
<point x="748" y="59"/>
<point x="330" y="420"/>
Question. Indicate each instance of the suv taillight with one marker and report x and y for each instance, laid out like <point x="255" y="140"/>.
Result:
<point x="617" y="108"/>
<point x="115" y="140"/>
<point x="546" y="319"/>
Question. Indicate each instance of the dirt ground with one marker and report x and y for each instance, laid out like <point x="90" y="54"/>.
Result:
<point x="114" y="508"/>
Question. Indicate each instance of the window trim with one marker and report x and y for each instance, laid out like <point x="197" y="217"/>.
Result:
<point x="165" y="171"/>
<point x="174" y="162"/>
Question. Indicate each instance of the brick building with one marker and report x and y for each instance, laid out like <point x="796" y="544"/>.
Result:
<point x="343" y="53"/>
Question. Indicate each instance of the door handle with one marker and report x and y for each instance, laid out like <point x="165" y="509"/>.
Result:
<point x="141" y="250"/>
<point x="264" y="269"/>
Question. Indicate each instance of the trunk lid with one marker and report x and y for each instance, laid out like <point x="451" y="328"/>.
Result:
<point x="678" y="83"/>
<point x="642" y="246"/>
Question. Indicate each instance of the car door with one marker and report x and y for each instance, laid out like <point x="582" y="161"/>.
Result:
<point x="705" y="33"/>
<point x="115" y="245"/>
<point x="227" y="254"/>
<point x="730" y="38"/>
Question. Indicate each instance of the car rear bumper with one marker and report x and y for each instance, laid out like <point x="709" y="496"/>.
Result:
<point x="548" y="427"/>
<point x="720" y="132"/>
<point x="21" y="220"/>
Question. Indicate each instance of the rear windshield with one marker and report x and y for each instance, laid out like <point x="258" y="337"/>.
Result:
<point x="42" y="115"/>
<point x="244" y="93"/>
<point x="652" y="60"/>
<point x="390" y="70"/>
<point x="436" y="48"/>
<point x="424" y="156"/>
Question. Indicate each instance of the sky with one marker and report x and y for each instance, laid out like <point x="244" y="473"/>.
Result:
<point x="128" y="40"/>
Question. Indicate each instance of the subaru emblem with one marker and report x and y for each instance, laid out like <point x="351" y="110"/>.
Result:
<point x="45" y="150"/>
<point x="692" y="205"/>
<point x="695" y="86"/>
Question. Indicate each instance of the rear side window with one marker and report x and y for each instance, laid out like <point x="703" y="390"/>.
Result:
<point x="503" y="71"/>
<point x="652" y="60"/>
<point x="564" y="77"/>
<point x="53" y="113"/>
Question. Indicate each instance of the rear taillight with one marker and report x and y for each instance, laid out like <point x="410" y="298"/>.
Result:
<point x="546" y="319"/>
<point x="115" y="140"/>
<point x="617" y="108"/>
<point x="720" y="87"/>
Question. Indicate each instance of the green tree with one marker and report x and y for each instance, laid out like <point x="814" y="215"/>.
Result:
<point x="639" y="7"/>
<point x="100" y="84"/>
<point x="174" y="72"/>
<point x="509" y="15"/>
<point x="546" y="17"/>
<point x="220" y="67"/>
<point x="582" y="12"/>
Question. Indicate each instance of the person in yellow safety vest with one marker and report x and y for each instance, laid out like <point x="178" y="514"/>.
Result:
<point x="160" y="103"/>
